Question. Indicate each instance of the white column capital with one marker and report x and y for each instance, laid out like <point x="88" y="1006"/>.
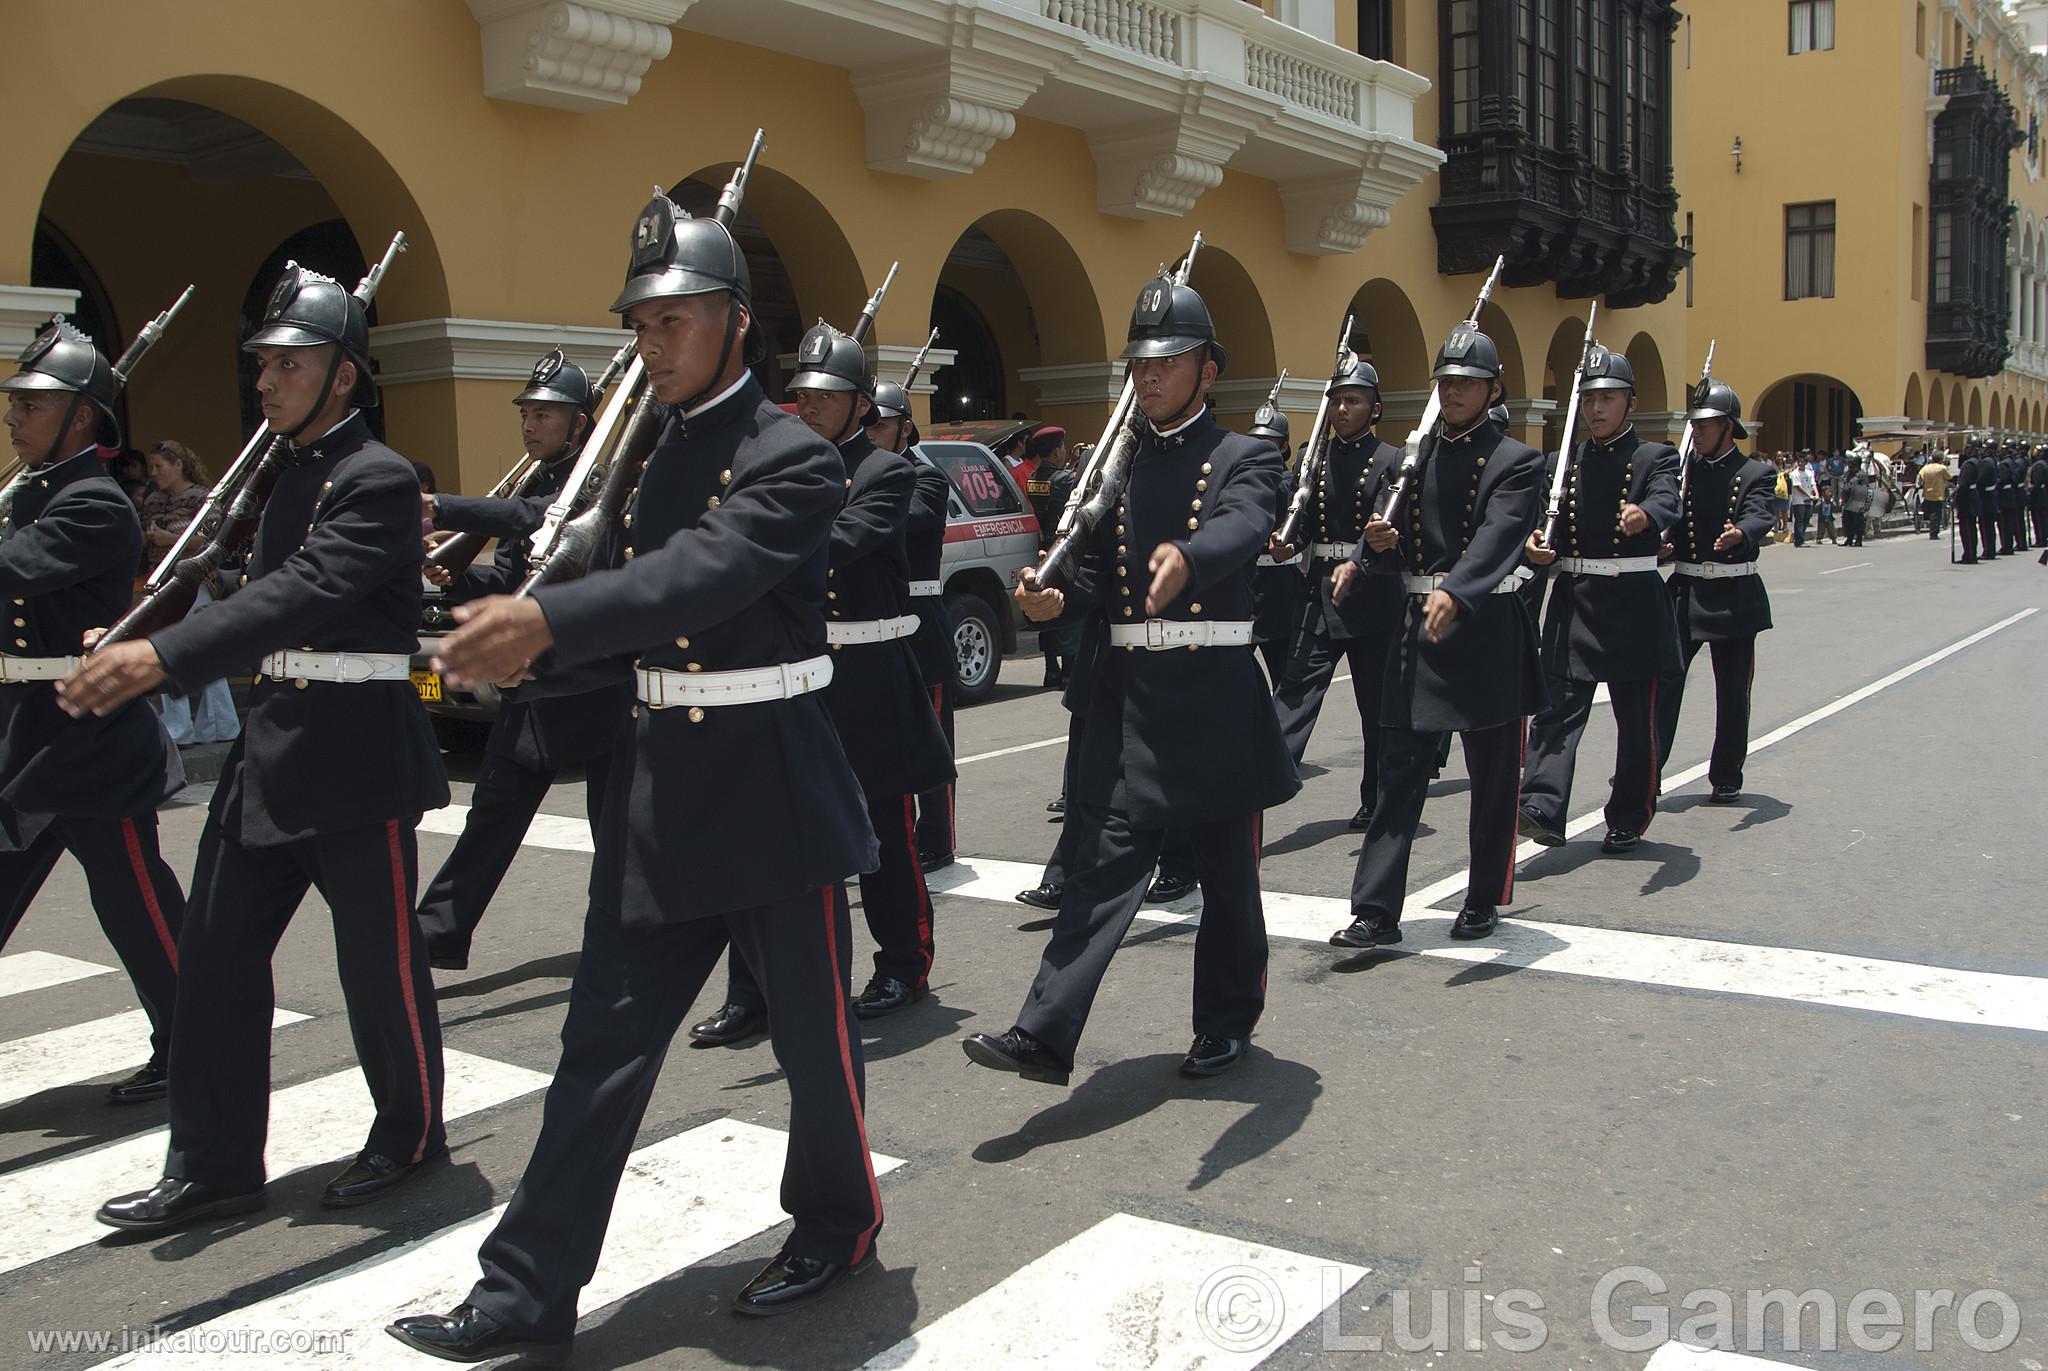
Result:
<point x="573" y="54"/>
<point x="25" y="311"/>
<point x="483" y="349"/>
<point x="1084" y="383"/>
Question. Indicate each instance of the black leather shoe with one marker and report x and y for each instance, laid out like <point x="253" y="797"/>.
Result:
<point x="1368" y="930"/>
<point x="1045" y="895"/>
<point x="1474" y="921"/>
<point x="789" y="1281"/>
<point x="370" y="1175"/>
<point x="1532" y="827"/>
<point x="885" y="995"/>
<point x="466" y="1333"/>
<point x="934" y="861"/>
<point x="1053" y="679"/>
<point x="1725" y="795"/>
<point x="1058" y="806"/>
<point x="172" y="1203"/>
<point x="1362" y="820"/>
<point x="731" y="1025"/>
<point x="150" y="1082"/>
<point x="448" y="956"/>
<point x="1166" y="889"/>
<point x="1621" y="840"/>
<point x="1211" y="1056"/>
<point x="1017" y="1051"/>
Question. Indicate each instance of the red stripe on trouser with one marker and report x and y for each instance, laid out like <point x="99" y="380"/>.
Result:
<point x="1507" y="890"/>
<point x="860" y="1123"/>
<point x="1259" y="841"/>
<point x="939" y="709"/>
<point x="1656" y="762"/>
<point x="140" y="867"/>
<point x="924" y="894"/>
<point x="402" y="904"/>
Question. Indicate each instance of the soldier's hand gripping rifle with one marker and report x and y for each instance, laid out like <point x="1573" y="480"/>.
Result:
<point x="228" y="519"/>
<point x="1102" y="478"/>
<point x="457" y="553"/>
<point x="1433" y="412"/>
<point x="1570" y="434"/>
<point x="1315" y="452"/>
<point x="608" y="470"/>
<point x="1685" y="440"/>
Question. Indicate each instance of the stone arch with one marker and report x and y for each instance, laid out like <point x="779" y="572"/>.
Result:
<point x="1390" y="335"/>
<point x="1955" y="402"/>
<point x="1937" y="404"/>
<point x="1562" y="359"/>
<point x="1976" y="407"/>
<point x="1646" y="359"/>
<point x="1807" y="410"/>
<point x="1914" y="402"/>
<point x="1495" y="324"/>
<point x="784" y="223"/>
<point x="1242" y="322"/>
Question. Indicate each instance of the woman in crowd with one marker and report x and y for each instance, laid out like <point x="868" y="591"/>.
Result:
<point x="177" y="492"/>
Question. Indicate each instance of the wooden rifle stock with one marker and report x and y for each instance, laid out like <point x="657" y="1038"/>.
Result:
<point x="577" y="539"/>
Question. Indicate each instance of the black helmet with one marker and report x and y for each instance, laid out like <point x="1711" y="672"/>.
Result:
<point x="1713" y="399"/>
<point x="1355" y="372"/>
<point x="310" y="310"/>
<point x="674" y="254"/>
<point x="1500" y="416"/>
<point x="557" y="381"/>
<point x="891" y="401"/>
<point x="61" y="358"/>
<point x="1608" y="371"/>
<point x="830" y="360"/>
<point x="1270" y="423"/>
<point x="1467" y="352"/>
<point x="1170" y="319"/>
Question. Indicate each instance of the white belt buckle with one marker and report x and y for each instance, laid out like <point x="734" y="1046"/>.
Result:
<point x="1155" y="635"/>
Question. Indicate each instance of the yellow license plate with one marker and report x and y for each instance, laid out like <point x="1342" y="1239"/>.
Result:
<point x="428" y="684"/>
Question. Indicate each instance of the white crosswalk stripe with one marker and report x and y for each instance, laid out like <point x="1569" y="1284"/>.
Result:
<point x="65" y="1056"/>
<point x="21" y="972"/>
<point x="1676" y="1356"/>
<point x="683" y="1199"/>
<point x="48" y="1208"/>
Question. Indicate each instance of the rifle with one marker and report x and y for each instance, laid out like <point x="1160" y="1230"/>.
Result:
<point x="456" y="554"/>
<point x="1571" y="424"/>
<point x="1685" y="438"/>
<point x="1315" y="449"/>
<point x="917" y="362"/>
<point x="1433" y="412"/>
<point x="145" y="340"/>
<point x="230" y="515"/>
<point x="865" y="325"/>
<point x="608" y="470"/>
<point x="1103" y="476"/>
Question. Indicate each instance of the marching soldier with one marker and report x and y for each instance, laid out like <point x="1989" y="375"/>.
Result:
<point x="1359" y="630"/>
<point x="1715" y="588"/>
<point x="559" y="719"/>
<point x="1050" y="486"/>
<point x="331" y="612"/>
<point x="1464" y="657"/>
<point x="1276" y="585"/>
<point x="895" y="431"/>
<point x="1610" y="619"/>
<point x="2012" y="480"/>
<point x="1173" y="726"/>
<point x="87" y="786"/>
<point x="733" y="816"/>
<point x="1969" y="492"/>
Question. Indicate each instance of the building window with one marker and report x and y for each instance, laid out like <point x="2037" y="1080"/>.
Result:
<point x="1464" y="65"/>
<point x="1810" y="251"/>
<point x="1919" y="247"/>
<point x="1944" y="268"/>
<point x="1920" y="30"/>
<point x="1813" y="26"/>
<point x="1538" y="68"/>
<point x="1376" y="29"/>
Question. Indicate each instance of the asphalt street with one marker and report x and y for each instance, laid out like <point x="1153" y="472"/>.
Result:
<point x="1791" y="1045"/>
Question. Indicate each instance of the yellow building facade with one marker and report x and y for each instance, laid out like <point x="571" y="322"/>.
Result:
<point x="1847" y="260"/>
<point x="1029" y="162"/>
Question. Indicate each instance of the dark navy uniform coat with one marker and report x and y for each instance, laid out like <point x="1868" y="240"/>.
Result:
<point x="1613" y="628"/>
<point x="1348" y="490"/>
<point x="1737" y="490"/>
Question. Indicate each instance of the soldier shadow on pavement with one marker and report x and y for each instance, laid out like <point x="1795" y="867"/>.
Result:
<point x="1762" y="809"/>
<point x="1281" y="1094"/>
<point x="74" y="1118"/>
<point x="560" y="967"/>
<point x="921" y="1024"/>
<point x="550" y="1000"/>
<point x="1676" y="866"/>
<point x="1515" y="939"/>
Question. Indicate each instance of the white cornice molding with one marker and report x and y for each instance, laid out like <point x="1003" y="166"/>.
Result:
<point x="888" y="361"/>
<point x="1244" y="395"/>
<point x="573" y="54"/>
<point x="483" y="349"/>
<point x="24" y="312"/>
<point x="1085" y="383"/>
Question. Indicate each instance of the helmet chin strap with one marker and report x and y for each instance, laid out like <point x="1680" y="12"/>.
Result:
<point x="732" y="332"/>
<point x="63" y="428"/>
<point x="320" y="403"/>
<point x="1188" y="406"/>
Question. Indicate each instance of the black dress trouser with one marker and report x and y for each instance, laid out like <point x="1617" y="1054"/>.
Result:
<point x="1299" y="697"/>
<point x="1734" y="674"/>
<point x="243" y="898"/>
<point x="1987" y="530"/>
<point x="633" y="988"/>
<point x="1493" y="760"/>
<point x="935" y="832"/>
<point x="1112" y="864"/>
<point x="140" y="907"/>
<point x="1554" y="753"/>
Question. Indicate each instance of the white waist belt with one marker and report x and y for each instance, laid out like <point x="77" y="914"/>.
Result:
<point x="17" y="670"/>
<point x="1423" y="585"/>
<point x="1265" y="561"/>
<point x="926" y="590"/>
<point x="1606" y="566"/>
<point x="871" y="630"/>
<point x="348" y="668"/>
<point x="1332" y="552"/>
<point x="1158" y="635"/>
<point x="663" y="689"/>
<point x="1714" y="571"/>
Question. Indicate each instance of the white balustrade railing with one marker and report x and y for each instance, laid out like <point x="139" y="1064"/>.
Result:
<point x="1140" y="26"/>
<point x="1302" y="82"/>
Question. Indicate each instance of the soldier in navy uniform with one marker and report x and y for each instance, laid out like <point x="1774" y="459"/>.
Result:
<point x="1968" y="499"/>
<point x="877" y="699"/>
<point x="895" y="431"/>
<point x="1464" y="658"/>
<point x="2012" y="478"/>
<point x="1358" y="632"/>
<point x="87" y="786"/>
<point x="1610" y="619"/>
<point x="323" y="790"/>
<point x="1277" y="586"/>
<point x="1715" y="589"/>
<point x="1049" y="487"/>
<point x="733" y="816"/>
<point x="1173" y="727"/>
<point x="2037" y="495"/>
<point x="557" y="720"/>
